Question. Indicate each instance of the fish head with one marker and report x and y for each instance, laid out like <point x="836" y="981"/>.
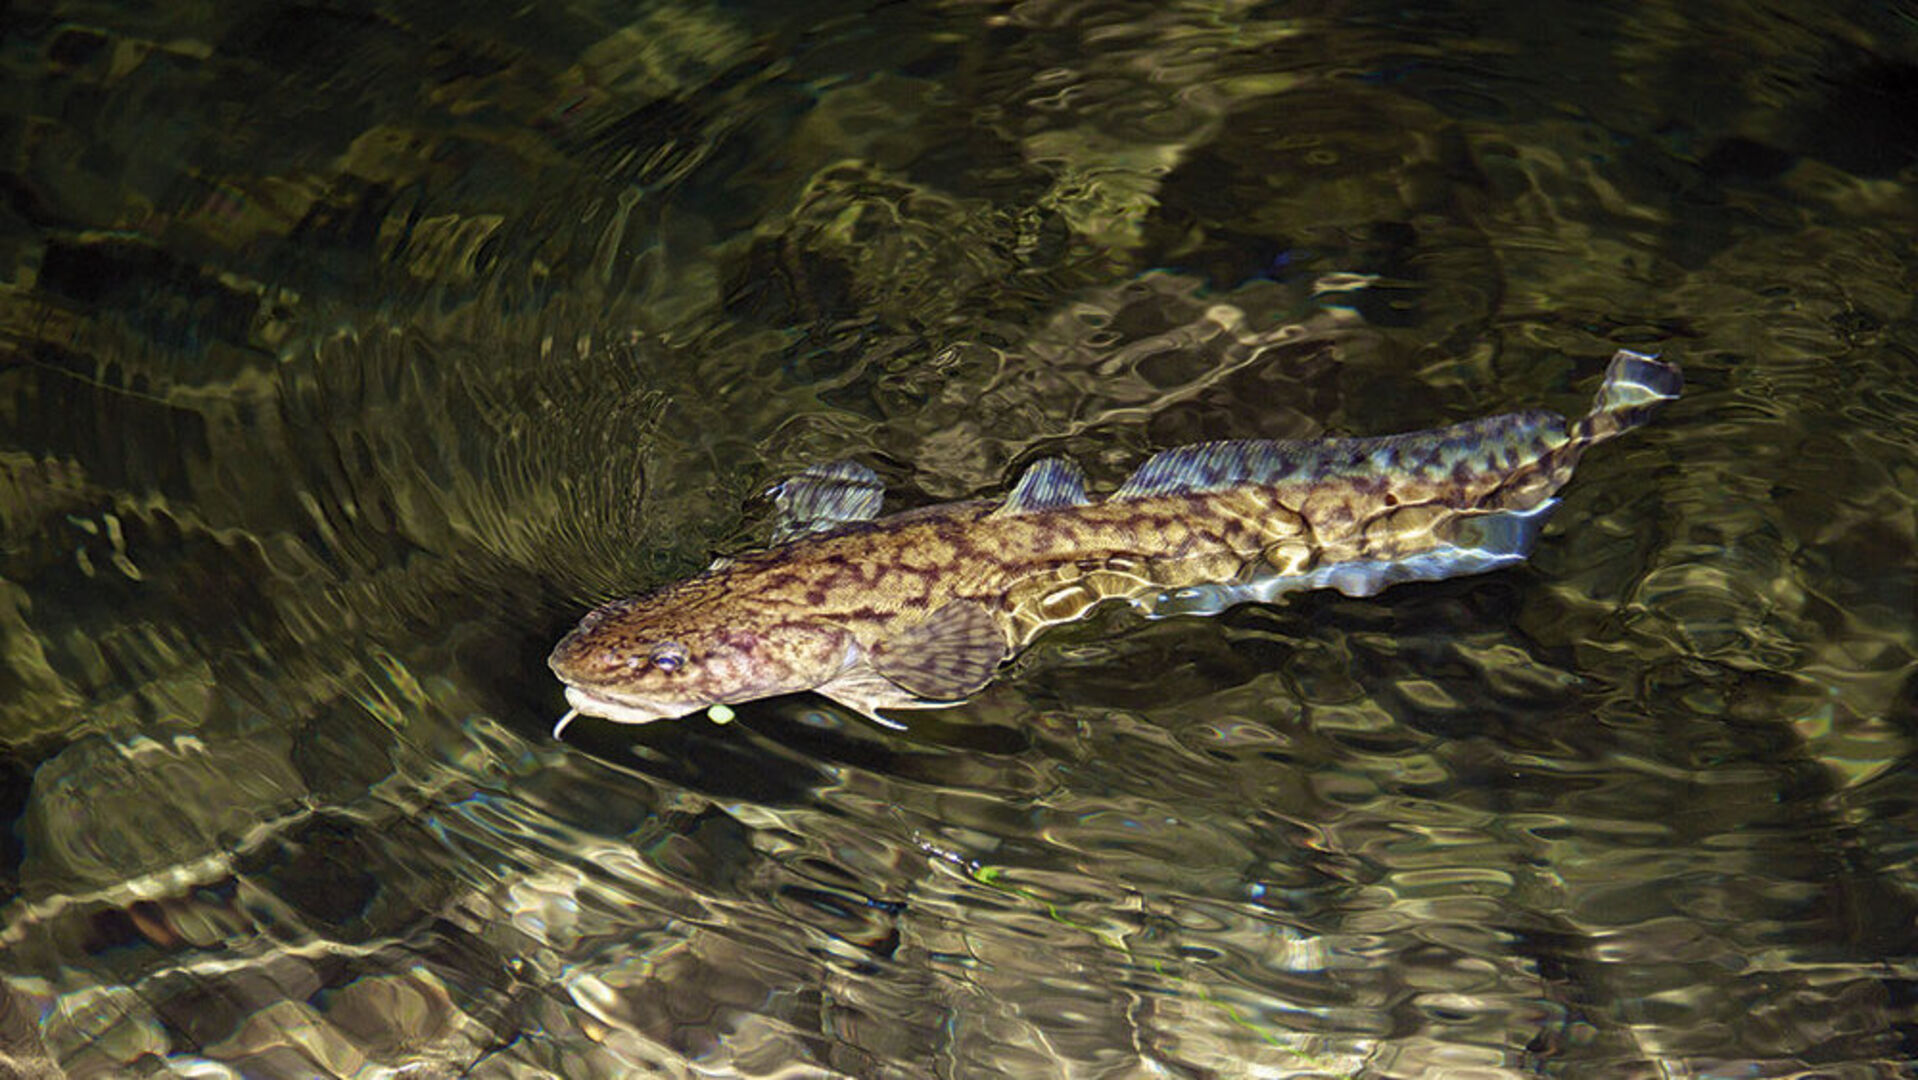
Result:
<point x="689" y="647"/>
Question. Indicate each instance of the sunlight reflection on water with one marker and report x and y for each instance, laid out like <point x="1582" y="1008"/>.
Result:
<point x="349" y="356"/>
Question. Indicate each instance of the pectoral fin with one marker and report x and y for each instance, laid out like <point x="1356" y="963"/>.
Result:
<point x="948" y="655"/>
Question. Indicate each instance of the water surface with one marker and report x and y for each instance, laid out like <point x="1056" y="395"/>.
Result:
<point x="348" y="352"/>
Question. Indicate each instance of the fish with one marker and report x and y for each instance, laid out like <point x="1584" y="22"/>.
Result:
<point x="920" y="609"/>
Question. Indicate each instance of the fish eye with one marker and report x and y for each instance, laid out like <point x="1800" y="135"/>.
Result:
<point x="668" y="656"/>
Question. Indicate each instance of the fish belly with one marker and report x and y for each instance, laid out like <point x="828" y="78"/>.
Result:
<point x="1474" y="543"/>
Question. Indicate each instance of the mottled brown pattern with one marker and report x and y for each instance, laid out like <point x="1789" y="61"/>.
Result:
<point x="811" y="610"/>
<point x="868" y="578"/>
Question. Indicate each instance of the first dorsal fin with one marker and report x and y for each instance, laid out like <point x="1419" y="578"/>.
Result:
<point x="1048" y="484"/>
<point x="824" y="496"/>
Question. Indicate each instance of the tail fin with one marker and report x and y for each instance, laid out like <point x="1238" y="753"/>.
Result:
<point x="1634" y="386"/>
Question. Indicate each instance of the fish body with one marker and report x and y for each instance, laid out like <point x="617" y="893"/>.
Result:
<point x="918" y="609"/>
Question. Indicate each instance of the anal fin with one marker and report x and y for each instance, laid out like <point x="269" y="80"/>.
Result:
<point x="1474" y="544"/>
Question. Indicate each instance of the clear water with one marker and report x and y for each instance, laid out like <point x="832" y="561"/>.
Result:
<point x="349" y="352"/>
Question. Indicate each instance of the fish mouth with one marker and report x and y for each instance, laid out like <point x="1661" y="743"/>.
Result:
<point x="625" y="711"/>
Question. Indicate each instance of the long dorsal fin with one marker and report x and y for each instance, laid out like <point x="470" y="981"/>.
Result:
<point x="1214" y="465"/>
<point x="826" y="495"/>
<point x="1047" y="484"/>
<point x="1209" y="466"/>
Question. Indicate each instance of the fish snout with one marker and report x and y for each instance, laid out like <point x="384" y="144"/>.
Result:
<point x="587" y="658"/>
<point x="568" y="660"/>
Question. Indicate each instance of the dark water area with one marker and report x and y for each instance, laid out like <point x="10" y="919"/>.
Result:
<point x="350" y="351"/>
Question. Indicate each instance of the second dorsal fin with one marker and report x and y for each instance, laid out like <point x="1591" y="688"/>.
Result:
<point x="1211" y="466"/>
<point x="1047" y="484"/>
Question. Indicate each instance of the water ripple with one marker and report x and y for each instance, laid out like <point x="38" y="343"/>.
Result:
<point x="350" y="354"/>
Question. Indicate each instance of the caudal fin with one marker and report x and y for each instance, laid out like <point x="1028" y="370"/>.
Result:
<point x="1634" y="386"/>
